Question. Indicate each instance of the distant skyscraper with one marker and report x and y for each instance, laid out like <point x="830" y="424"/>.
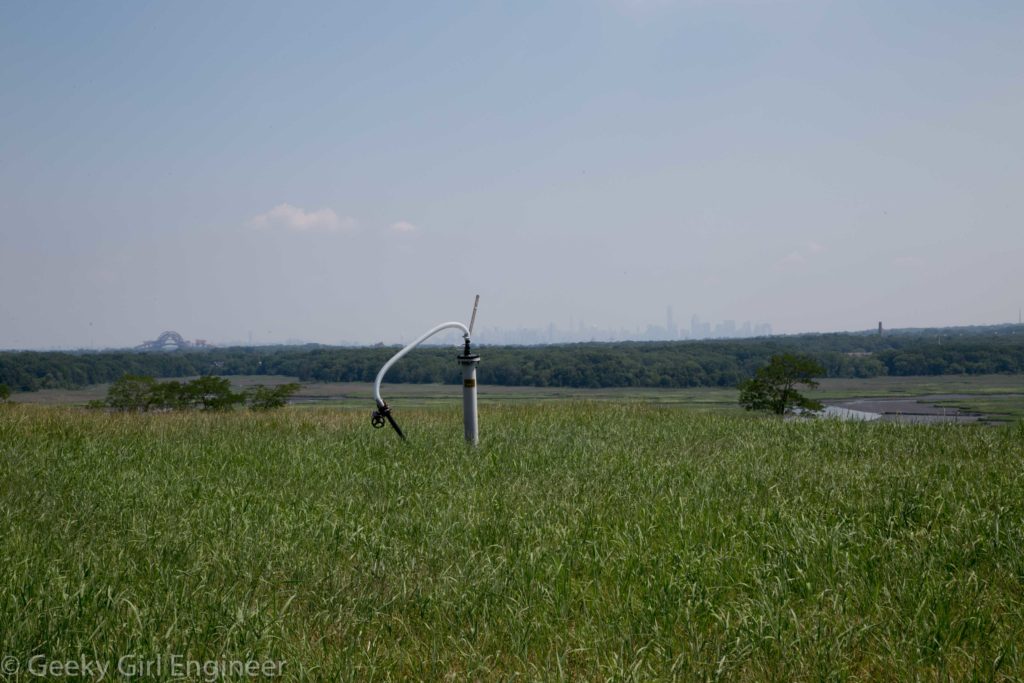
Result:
<point x="670" y="324"/>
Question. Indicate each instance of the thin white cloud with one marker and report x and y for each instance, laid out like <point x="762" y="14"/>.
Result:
<point x="404" y="227"/>
<point x="296" y="219"/>
<point x="802" y="255"/>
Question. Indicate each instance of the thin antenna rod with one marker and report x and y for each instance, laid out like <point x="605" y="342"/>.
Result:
<point x="472" y="318"/>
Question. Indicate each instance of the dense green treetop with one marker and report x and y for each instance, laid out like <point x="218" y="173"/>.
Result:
<point x="137" y="393"/>
<point x="773" y="388"/>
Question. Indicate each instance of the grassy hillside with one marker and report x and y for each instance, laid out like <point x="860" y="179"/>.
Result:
<point x="582" y="540"/>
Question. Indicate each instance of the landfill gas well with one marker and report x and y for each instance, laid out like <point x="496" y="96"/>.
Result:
<point x="467" y="359"/>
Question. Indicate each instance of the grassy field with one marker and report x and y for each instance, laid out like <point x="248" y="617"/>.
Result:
<point x="580" y="541"/>
<point x="359" y="395"/>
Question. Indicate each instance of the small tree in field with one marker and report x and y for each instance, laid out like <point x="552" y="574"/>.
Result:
<point x="131" y="392"/>
<point x="773" y="388"/>
<point x="210" y="393"/>
<point x="5" y="393"/>
<point x="261" y="397"/>
<point x="139" y="393"/>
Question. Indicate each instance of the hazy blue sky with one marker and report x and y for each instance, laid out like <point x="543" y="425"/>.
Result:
<point x="358" y="171"/>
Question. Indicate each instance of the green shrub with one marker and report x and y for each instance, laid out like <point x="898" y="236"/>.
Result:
<point x="262" y="397"/>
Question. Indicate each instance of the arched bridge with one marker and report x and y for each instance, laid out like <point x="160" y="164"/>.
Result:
<point x="171" y="340"/>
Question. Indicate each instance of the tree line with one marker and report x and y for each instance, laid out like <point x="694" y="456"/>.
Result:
<point x="623" y="364"/>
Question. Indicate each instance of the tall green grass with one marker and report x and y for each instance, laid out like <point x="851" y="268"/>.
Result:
<point x="580" y="541"/>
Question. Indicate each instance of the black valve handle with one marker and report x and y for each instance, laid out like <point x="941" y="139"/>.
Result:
<point x="383" y="413"/>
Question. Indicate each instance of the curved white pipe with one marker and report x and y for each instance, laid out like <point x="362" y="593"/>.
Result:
<point x="409" y="347"/>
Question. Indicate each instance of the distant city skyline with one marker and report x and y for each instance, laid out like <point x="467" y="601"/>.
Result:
<point x="551" y="333"/>
<point x="580" y="331"/>
<point x="574" y="331"/>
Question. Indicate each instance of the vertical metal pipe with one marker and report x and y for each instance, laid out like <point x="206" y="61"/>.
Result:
<point x="469" y="413"/>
